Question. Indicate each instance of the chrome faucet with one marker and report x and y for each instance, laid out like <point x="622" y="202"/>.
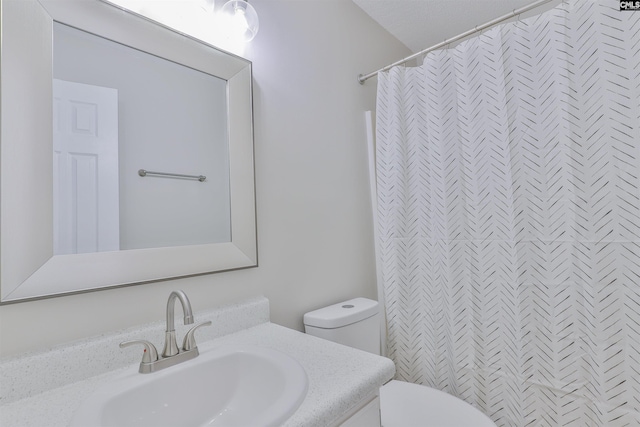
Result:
<point x="171" y="355"/>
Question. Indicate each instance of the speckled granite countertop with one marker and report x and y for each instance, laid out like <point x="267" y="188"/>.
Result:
<point x="44" y="389"/>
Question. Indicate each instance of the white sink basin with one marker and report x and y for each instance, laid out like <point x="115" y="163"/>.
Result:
<point x="241" y="386"/>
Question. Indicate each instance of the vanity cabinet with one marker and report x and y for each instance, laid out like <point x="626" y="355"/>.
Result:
<point x="366" y="414"/>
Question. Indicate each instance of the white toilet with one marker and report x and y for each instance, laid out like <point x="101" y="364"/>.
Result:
<point x="356" y="323"/>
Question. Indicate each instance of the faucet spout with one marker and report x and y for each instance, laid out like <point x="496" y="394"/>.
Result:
<point x="170" y="345"/>
<point x="186" y="309"/>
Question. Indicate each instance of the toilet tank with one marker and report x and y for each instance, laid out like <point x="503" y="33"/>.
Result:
<point x="355" y="323"/>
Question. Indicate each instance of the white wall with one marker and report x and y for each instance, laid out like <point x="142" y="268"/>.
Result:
<point x="315" y="237"/>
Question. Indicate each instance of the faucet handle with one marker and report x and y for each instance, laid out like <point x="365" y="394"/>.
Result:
<point x="150" y="352"/>
<point x="189" y="342"/>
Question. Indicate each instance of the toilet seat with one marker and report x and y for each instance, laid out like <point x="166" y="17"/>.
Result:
<point x="404" y="404"/>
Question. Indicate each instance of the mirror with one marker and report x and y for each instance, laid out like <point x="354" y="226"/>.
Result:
<point x="161" y="226"/>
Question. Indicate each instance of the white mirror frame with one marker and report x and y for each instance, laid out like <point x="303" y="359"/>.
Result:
<point x="29" y="270"/>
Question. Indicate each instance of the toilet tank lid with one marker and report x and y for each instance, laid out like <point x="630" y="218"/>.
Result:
<point x="341" y="314"/>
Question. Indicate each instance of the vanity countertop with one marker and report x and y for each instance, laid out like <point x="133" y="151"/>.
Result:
<point x="339" y="379"/>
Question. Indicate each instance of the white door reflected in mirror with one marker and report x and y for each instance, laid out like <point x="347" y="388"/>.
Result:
<point x="86" y="214"/>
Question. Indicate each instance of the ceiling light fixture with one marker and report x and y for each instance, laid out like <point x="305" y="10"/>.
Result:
<point x="241" y="20"/>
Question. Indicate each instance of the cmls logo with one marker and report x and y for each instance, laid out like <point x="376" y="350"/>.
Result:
<point x="629" y="5"/>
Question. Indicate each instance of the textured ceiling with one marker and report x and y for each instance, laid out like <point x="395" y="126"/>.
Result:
<point x="422" y="23"/>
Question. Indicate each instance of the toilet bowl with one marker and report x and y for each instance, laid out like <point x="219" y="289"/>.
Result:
<point x="403" y="404"/>
<point x="356" y="323"/>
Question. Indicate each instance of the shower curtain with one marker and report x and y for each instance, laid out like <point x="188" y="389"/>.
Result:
<point x="508" y="179"/>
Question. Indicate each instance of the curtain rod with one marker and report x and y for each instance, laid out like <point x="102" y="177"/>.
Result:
<point x="364" y="77"/>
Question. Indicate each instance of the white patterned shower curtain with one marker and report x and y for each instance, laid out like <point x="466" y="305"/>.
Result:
<point x="508" y="176"/>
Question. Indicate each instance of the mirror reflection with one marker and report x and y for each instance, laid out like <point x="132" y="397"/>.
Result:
<point x="116" y="111"/>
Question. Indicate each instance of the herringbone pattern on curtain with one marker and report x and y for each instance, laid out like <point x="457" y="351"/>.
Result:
<point x="508" y="172"/>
